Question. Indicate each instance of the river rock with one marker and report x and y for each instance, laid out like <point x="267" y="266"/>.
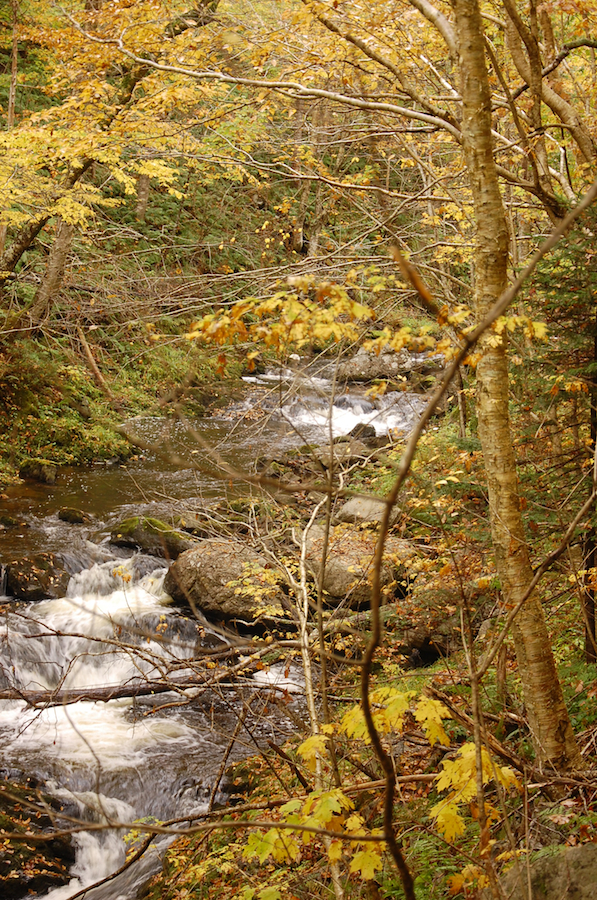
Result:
<point x="349" y="564"/>
<point x="361" y="510"/>
<point x="364" y="432"/>
<point x="30" y="868"/>
<point x="226" y="581"/>
<point x="39" y="470"/>
<point x="312" y="460"/>
<point x="344" y="453"/>
<point x="151" y="536"/>
<point x="571" y="873"/>
<point x="40" y="577"/>
<point x="74" y="516"/>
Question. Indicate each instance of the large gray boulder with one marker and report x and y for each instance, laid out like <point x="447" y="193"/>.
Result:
<point x="226" y="581"/>
<point x="365" y="510"/>
<point x="570" y="873"/>
<point x="349" y="563"/>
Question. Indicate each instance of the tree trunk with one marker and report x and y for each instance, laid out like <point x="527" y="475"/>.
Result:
<point x="12" y="93"/>
<point x="548" y="718"/>
<point x="52" y="280"/>
<point x="142" y="197"/>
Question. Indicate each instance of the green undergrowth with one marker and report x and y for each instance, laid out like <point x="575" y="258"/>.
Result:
<point x="54" y="406"/>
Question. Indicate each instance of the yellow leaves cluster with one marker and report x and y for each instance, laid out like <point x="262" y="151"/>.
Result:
<point x="530" y="329"/>
<point x="305" y="311"/>
<point x="459" y="777"/>
<point x="390" y="707"/>
<point x="326" y="811"/>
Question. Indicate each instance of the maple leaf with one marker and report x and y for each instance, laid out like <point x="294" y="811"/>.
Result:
<point x="429" y="713"/>
<point x="366" y="863"/>
<point x="448" y="820"/>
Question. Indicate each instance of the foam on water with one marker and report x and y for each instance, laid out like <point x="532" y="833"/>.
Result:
<point x="98" y="854"/>
<point x="395" y="412"/>
<point x="289" y="679"/>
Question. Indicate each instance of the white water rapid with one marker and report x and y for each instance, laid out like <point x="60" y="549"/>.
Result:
<point x="120" y="760"/>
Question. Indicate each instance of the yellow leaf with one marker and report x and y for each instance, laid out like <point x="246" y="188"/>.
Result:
<point x="448" y="820"/>
<point x="335" y="851"/>
<point x="366" y="862"/>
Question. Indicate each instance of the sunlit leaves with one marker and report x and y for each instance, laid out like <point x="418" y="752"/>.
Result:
<point x="305" y="311"/>
<point x="459" y="777"/>
<point x="389" y="709"/>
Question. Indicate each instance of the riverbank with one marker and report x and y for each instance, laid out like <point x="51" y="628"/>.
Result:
<point x="62" y="396"/>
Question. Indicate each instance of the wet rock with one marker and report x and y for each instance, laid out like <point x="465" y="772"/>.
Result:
<point x="349" y="564"/>
<point x="40" y="577"/>
<point x="226" y="581"/>
<point x="151" y="536"/>
<point x="344" y="453"/>
<point x="570" y="872"/>
<point x="358" y="405"/>
<point x="74" y="516"/>
<point x="361" y="510"/>
<point x="9" y="522"/>
<point x="38" y="469"/>
<point x="363" y="432"/>
<point x="30" y="868"/>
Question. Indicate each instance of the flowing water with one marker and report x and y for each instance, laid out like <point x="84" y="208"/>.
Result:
<point x="152" y="756"/>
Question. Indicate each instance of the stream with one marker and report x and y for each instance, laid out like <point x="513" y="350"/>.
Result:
<point x="158" y="756"/>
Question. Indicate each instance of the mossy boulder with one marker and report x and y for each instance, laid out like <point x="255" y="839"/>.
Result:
<point x="30" y="868"/>
<point x="40" y="577"/>
<point x="38" y="469"/>
<point x="428" y="617"/>
<point x="152" y="536"/>
<point x="570" y="872"/>
<point x="9" y="522"/>
<point x="74" y="516"/>
<point x="349" y="563"/>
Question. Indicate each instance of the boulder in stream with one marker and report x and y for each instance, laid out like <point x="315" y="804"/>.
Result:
<point x="74" y="516"/>
<point x="349" y="563"/>
<point x="151" y="536"/>
<point x="38" y="469"/>
<point x="40" y="577"/>
<point x="226" y="581"/>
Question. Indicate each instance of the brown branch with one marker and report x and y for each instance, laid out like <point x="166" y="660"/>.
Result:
<point x="566" y="50"/>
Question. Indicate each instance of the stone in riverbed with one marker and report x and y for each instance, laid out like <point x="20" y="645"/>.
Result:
<point x="365" y="510"/>
<point x="39" y="577"/>
<point x="74" y="516"/>
<point x="151" y="536"/>
<point x="226" y="581"/>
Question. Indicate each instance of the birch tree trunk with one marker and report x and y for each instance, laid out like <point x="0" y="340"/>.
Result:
<point x="548" y="718"/>
<point x="143" y="185"/>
